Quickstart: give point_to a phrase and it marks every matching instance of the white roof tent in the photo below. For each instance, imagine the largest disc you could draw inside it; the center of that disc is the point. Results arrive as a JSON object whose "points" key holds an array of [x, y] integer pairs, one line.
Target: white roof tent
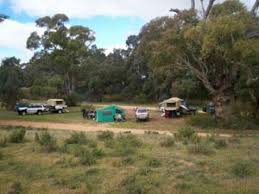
{"points": [[171, 104], [54, 102]]}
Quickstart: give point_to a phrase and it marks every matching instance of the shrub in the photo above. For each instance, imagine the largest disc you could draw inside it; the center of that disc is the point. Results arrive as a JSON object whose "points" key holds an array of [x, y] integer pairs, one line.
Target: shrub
{"points": [[106, 135], [242, 169], [138, 183], [1, 156], [220, 143], [17, 136], [201, 148], [47, 142], [187, 135], [202, 121], [77, 138], [87, 158], [168, 142], [154, 163], [73, 99], [98, 153], [127, 161], [127, 144], [3, 142], [16, 188]]}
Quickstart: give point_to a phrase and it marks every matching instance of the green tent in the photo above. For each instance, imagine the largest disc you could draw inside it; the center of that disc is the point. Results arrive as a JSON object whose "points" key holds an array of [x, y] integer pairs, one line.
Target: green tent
{"points": [[108, 113]]}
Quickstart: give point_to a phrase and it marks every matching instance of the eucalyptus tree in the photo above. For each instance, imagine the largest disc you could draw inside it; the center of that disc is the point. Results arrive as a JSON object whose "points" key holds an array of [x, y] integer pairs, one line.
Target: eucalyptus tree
{"points": [[62, 47]]}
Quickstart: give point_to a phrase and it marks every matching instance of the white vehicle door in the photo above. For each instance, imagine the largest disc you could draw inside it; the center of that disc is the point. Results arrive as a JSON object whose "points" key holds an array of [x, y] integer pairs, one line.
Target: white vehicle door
{"points": [[32, 109]]}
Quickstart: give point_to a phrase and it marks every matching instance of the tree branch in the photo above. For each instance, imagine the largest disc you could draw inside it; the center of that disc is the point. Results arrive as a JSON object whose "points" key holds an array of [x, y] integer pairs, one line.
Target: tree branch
{"points": [[175, 10], [255, 8], [207, 12]]}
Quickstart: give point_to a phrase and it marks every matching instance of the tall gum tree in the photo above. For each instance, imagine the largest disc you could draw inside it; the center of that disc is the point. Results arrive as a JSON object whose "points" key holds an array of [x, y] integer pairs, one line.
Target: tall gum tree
{"points": [[208, 47], [64, 47]]}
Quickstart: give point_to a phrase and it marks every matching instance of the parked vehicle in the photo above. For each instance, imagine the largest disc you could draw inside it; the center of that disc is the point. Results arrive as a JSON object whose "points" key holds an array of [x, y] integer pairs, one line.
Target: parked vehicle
{"points": [[38, 109], [57, 105], [209, 108], [176, 107], [142, 114]]}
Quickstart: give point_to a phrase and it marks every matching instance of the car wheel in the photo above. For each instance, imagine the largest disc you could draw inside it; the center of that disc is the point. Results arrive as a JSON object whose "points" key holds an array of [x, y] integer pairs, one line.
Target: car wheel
{"points": [[23, 113], [39, 113], [60, 111]]}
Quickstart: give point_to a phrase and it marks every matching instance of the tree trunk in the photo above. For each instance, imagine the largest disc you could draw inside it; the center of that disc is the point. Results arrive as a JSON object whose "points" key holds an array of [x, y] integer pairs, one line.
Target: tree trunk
{"points": [[222, 107]]}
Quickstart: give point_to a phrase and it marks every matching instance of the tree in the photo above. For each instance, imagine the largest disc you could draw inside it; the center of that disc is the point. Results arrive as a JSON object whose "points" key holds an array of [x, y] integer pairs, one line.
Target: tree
{"points": [[207, 49], [11, 78], [62, 48]]}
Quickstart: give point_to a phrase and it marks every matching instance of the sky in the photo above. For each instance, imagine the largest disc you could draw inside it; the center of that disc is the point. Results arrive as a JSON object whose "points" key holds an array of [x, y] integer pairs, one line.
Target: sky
{"points": [[111, 20]]}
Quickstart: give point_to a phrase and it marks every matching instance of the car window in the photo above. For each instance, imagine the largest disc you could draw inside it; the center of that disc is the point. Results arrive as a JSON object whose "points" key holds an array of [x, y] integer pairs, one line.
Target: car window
{"points": [[142, 111]]}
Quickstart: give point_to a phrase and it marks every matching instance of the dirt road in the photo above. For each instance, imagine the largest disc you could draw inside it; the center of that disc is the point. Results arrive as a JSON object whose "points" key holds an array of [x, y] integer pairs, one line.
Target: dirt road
{"points": [[87, 127]]}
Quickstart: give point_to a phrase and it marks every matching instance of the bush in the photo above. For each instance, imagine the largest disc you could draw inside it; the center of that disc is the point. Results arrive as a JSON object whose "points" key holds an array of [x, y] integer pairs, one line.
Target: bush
{"points": [[73, 99], [106, 135], [154, 163], [220, 143], [17, 136], [98, 153], [201, 148], [47, 142], [16, 188], [77, 138], [1, 156], [138, 183], [3, 142], [168, 142], [242, 169], [127, 144], [87, 158], [187, 135], [202, 121]]}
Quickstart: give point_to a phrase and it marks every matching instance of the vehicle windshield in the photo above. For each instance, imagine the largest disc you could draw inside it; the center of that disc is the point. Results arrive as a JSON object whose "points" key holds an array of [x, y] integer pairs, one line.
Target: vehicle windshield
{"points": [[141, 110]]}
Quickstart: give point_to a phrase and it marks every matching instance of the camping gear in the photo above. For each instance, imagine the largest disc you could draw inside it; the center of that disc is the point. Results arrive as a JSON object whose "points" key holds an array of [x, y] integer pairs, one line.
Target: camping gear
{"points": [[110, 114], [176, 107]]}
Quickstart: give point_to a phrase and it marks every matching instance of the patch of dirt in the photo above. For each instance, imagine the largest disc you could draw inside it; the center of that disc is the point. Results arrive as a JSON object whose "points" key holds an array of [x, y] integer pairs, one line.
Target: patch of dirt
{"points": [[87, 127]]}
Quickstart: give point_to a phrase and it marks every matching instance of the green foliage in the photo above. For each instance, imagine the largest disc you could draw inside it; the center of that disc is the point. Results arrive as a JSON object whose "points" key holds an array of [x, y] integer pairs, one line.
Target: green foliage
{"points": [[17, 136], [73, 99], [186, 135], [3, 141], [202, 121], [77, 138], [87, 157], [154, 163], [202, 148], [127, 144], [47, 142], [11, 79], [16, 188], [242, 169], [98, 153], [106, 136], [1, 155], [138, 182], [168, 142]]}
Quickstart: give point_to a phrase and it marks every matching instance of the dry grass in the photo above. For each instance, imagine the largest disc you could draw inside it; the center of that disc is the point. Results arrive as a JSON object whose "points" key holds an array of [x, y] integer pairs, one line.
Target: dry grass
{"points": [[150, 168]]}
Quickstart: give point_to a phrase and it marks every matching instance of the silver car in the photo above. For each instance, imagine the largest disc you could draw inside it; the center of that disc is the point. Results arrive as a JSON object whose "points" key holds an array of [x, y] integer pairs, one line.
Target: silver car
{"points": [[142, 114]]}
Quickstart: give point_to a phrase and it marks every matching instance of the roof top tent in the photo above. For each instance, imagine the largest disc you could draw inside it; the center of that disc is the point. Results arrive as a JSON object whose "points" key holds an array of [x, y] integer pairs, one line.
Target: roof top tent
{"points": [[108, 113], [171, 104], [54, 102]]}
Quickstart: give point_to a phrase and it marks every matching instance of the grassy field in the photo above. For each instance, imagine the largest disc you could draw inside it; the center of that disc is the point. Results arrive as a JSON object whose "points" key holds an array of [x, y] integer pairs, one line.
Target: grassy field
{"points": [[64, 162]]}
